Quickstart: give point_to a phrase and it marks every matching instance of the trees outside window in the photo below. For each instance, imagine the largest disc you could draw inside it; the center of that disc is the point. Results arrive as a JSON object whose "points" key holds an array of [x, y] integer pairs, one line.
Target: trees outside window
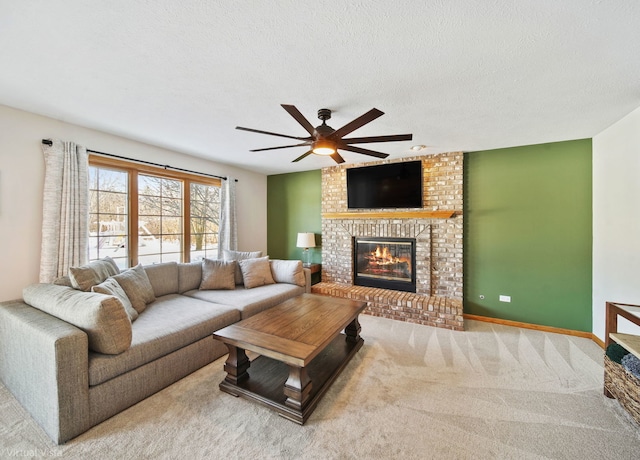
{"points": [[142, 214]]}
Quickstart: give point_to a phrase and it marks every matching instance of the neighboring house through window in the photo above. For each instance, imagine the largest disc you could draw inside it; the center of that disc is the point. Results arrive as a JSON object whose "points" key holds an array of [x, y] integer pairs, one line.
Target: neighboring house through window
{"points": [[145, 214]]}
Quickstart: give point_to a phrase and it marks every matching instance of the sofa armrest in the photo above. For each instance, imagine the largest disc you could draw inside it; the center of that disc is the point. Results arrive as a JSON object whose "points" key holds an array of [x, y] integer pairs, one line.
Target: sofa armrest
{"points": [[44, 362], [307, 280]]}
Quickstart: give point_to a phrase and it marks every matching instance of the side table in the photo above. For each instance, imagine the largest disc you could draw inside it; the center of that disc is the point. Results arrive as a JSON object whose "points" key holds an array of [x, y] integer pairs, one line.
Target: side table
{"points": [[316, 270]]}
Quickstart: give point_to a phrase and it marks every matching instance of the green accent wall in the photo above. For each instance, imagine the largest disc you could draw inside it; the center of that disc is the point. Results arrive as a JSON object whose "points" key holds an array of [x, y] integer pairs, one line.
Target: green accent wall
{"points": [[293, 205], [527, 230], [528, 234]]}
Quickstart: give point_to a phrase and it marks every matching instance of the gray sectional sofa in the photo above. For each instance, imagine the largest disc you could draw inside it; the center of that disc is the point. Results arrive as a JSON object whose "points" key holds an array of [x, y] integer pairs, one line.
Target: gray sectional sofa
{"points": [[74, 358]]}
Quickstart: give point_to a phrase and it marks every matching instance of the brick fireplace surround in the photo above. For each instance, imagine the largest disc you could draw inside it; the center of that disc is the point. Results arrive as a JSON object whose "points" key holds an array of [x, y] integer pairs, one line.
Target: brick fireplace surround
{"points": [[438, 298]]}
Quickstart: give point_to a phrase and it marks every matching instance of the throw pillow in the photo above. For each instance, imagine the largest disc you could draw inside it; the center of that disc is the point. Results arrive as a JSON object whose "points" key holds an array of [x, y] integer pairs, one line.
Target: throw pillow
{"points": [[163, 278], [218, 274], [288, 271], [137, 287], [86, 276], [111, 287], [256, 272], [238, 256], [63, 281], [189, 276]]}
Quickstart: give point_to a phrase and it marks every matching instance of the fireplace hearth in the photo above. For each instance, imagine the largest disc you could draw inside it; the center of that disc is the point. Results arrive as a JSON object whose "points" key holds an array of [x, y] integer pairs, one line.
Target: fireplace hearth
{"points": [[387, 263]]}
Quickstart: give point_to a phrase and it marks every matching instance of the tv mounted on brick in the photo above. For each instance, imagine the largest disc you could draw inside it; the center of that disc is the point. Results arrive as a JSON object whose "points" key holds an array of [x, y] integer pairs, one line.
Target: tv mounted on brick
{"points": [[392, 185]]}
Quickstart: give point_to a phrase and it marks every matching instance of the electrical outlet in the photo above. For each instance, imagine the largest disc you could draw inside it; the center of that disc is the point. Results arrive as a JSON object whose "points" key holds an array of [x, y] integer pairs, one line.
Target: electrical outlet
{"points": [[505, 298]]}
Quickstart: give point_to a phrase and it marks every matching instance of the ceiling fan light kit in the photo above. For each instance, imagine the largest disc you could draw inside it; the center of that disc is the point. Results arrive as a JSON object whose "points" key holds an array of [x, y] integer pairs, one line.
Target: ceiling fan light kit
{"points": [[324, 147], [326, 141]]}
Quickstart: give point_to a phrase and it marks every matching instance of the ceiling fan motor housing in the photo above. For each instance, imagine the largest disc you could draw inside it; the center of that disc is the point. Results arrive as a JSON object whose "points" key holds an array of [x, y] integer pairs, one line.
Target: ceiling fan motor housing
{"points": [[324, 130]]}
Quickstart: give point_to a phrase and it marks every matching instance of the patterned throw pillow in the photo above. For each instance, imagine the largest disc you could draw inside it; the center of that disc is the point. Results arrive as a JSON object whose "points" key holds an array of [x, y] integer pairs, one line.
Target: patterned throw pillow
{"points": [[256, 272], [86, 276], [111, 287], [238, 256], [218, 274], [137, 287]]}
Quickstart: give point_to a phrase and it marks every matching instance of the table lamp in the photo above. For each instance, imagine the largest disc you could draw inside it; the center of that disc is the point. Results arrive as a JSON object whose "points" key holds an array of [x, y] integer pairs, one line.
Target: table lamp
{"points": [[306, 241]]}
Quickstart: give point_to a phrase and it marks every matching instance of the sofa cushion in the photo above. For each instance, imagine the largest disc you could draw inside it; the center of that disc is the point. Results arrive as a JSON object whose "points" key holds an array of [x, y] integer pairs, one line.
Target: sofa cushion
{"points": [[218, 274], [101, 317], [256, 272], [168, 324], [250, 301], [86, 276], [238, 256], [163, 278], [111, 287], [288, 271], [189, 276], [137, 286]]}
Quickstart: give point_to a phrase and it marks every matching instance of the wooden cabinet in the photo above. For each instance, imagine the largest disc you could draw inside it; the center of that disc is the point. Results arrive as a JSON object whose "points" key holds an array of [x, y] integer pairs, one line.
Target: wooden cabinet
{"points": [[618, 383]]}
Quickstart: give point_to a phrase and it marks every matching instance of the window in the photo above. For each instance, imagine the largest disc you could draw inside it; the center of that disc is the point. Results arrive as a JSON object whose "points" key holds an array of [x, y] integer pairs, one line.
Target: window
{"points": [[204, 219], [108, 216], [159, 219], [143, 214]]}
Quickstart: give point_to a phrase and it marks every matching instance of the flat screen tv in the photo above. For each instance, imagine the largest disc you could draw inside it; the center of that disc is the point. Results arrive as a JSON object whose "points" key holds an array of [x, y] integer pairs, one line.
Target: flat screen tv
{"points": [[392, 185]]}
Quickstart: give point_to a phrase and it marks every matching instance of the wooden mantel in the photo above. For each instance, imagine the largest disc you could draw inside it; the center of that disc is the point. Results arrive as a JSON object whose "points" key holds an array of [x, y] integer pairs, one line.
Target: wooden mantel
{"points": [[390, 215]]}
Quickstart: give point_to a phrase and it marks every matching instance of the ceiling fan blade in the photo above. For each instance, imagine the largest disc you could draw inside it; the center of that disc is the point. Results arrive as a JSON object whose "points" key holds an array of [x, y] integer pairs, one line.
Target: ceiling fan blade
{"points": [[337, 158], [295, 113], [370, 139], [357, 123], [303, 156], [251, 130], [372, 153], [281, 147]]}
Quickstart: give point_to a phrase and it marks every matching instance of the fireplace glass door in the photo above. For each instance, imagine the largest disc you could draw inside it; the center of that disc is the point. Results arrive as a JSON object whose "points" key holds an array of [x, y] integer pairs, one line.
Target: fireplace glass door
{"points": [[387, 263]]}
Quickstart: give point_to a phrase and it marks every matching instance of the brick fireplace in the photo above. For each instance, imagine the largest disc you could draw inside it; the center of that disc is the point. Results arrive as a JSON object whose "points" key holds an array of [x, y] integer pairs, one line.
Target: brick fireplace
{"points": [[436, 230]]}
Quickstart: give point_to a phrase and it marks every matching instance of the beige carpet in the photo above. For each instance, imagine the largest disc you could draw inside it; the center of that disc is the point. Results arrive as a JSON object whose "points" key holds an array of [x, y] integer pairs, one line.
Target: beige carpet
{"points": [[411, 392]]}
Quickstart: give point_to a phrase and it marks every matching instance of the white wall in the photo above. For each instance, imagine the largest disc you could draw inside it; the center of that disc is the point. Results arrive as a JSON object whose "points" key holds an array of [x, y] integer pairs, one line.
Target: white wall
{"points": [[616, 219], [22, 173]]}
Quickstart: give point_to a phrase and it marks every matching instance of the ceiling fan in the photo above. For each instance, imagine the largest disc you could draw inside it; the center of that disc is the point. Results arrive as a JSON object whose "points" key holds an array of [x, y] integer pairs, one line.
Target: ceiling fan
{"points": [[324, 140]]}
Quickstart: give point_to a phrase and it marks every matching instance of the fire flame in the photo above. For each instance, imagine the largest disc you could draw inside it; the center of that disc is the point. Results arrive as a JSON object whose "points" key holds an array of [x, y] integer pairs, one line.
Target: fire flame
{"points": [[382, 256]]}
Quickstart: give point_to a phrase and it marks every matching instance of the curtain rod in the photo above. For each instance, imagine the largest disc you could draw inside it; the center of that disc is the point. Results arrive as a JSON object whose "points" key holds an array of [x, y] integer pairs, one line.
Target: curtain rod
{"points": [[50, 142]]}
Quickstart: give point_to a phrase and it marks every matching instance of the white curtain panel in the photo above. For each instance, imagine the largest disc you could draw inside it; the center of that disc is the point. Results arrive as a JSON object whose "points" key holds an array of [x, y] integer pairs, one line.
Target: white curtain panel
{"points": [[65, 214], [227, 231]]}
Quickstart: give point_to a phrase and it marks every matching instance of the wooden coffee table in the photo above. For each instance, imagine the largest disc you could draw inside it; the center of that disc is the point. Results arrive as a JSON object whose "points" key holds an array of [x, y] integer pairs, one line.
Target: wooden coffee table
{"points": [[301, 348]]}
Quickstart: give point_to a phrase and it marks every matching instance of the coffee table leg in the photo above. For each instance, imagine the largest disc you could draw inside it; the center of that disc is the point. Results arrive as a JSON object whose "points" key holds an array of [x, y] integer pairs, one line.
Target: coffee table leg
{"points": [[353, 331], [236, 365], [297, 387]]}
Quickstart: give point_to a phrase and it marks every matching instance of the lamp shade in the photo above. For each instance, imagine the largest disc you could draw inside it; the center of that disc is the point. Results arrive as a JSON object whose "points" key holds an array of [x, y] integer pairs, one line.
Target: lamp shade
{"points": [[306, 240]]}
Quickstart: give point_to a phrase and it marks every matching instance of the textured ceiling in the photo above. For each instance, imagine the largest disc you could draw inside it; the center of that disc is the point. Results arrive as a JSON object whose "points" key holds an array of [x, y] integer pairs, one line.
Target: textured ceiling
{"points": [[459, 75]]}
